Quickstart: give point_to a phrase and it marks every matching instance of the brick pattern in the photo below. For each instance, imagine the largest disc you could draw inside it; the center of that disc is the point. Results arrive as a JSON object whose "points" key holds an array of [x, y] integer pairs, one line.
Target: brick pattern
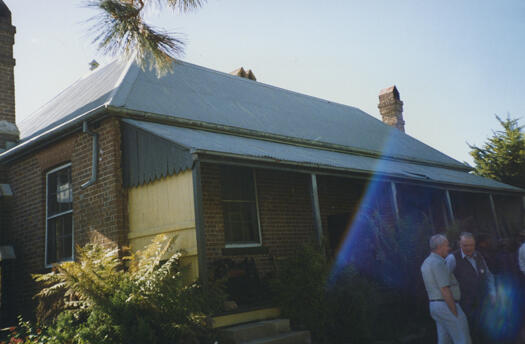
{"points": [[7, 84], [391, 108], [26, 232], [99, 211], [56, 155], [285, 214]]}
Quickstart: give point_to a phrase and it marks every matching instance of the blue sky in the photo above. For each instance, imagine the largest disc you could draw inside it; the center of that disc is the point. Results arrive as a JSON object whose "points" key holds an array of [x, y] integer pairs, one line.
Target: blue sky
{"points": [[455, 63]]}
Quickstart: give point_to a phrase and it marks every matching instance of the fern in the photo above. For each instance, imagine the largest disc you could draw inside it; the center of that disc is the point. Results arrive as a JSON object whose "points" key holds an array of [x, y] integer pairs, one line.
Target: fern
{"points": [[140, 297]]}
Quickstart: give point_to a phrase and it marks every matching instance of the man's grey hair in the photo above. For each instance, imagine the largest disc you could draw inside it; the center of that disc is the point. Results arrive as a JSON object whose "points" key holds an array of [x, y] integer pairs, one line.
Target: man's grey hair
{"points": [[466, 235], [436, 241]]}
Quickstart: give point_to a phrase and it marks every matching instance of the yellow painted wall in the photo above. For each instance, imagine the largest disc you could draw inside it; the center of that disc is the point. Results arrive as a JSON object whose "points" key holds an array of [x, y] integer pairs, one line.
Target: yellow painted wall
{"points": [[165, 207]]}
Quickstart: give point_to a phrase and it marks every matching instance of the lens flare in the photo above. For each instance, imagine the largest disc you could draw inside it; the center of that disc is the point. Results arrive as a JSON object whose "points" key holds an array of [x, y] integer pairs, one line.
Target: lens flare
{"points": [[501, 318], [357, 247]]}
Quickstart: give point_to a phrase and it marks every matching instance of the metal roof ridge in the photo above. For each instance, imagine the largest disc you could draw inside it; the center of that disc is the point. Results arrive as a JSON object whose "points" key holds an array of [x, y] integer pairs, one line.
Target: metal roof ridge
{"points": [[254, 134], [125, 82], [85, 76], [296, 93]]}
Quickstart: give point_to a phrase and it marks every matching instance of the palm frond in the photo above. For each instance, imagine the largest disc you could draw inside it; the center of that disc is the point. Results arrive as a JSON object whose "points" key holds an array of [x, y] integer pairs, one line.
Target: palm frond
{"points": [[184, 5], [120, 29]]}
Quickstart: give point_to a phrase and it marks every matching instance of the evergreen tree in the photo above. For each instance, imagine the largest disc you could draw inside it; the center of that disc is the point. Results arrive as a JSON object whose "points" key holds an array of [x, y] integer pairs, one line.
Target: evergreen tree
{"points": [[120, 29], [502, 157]]}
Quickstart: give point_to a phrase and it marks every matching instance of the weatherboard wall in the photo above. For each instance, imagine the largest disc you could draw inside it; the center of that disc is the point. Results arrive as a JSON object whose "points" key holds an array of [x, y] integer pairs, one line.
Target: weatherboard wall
{"points": [[165, 206]]}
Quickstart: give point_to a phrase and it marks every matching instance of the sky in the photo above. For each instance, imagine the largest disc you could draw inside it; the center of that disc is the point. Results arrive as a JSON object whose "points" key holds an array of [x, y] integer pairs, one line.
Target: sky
{"points": [[456, 64]]}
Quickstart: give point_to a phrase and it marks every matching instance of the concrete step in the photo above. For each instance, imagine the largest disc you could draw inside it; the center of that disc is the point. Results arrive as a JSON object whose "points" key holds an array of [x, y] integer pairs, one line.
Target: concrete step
{"points": [[255, 330], [243, 317], [296, 337], [278, 325]]}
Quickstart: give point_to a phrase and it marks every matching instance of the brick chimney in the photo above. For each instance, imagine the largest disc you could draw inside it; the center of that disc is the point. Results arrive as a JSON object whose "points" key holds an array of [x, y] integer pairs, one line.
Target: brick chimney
{"points": [[391, 108], [9, 133], [242, 73]]}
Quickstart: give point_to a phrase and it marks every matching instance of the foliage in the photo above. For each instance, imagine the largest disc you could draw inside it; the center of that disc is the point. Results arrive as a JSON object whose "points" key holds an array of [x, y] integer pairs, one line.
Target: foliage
{"points": [[300, 282], [400, 248], [353, 304], [375, 293], [502, 157], [334, 312], [139, 299], [120, 29], [26, 333]]}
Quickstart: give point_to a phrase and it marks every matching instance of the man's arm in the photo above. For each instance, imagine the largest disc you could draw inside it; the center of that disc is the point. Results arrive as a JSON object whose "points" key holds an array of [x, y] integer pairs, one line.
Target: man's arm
{"points": [[449, 300], [451, 262]]}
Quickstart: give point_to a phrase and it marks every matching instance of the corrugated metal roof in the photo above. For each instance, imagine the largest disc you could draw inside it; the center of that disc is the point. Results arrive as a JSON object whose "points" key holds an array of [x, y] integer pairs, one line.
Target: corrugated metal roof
{"points": [[199, 140], [200, 94], [147, 157], [93, 90]]}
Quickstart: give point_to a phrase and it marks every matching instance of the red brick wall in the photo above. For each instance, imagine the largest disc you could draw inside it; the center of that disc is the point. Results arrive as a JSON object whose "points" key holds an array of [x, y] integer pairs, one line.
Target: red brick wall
{"points": [[98, 211], [285, 214], [7, 63]]}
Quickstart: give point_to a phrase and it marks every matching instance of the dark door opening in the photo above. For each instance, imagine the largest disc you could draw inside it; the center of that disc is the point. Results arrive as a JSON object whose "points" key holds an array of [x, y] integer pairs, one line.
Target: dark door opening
{"points": [[337, 227]]}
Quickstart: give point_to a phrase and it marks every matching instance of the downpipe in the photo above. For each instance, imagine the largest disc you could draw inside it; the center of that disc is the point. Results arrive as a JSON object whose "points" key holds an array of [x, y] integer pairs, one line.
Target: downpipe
{"points": [[94, 155]]}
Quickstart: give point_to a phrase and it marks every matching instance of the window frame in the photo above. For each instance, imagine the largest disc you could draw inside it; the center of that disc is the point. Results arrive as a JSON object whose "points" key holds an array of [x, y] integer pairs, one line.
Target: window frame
{"points": [[257, 214], [48, 218]]}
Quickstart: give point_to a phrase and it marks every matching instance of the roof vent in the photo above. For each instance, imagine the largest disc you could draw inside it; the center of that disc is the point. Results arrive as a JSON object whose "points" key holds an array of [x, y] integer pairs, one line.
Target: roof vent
{"points": [[244, 74], [93, 65]]}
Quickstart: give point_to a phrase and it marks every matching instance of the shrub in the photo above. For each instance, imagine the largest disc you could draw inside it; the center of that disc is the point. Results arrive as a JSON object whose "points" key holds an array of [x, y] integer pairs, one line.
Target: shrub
{"points": [[335, 311], [373, 292], [136, 299]]}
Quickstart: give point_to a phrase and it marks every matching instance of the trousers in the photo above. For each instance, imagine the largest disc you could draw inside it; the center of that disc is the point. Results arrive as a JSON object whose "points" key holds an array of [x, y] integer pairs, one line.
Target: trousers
{"points": [[450, 328]]}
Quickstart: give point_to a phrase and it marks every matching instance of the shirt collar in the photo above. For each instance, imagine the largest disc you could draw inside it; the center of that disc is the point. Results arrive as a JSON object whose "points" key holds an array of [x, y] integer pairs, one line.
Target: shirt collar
{"points": [[463, 255]]}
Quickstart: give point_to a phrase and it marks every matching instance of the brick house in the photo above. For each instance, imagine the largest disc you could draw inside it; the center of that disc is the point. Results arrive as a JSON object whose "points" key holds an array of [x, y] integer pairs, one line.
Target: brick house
{"points": [[233, 167]]}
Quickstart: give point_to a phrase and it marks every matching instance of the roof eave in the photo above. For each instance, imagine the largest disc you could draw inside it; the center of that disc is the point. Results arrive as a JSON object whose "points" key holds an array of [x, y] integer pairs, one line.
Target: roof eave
{"points": [[206, 155], [213, 127], [52, 134]]}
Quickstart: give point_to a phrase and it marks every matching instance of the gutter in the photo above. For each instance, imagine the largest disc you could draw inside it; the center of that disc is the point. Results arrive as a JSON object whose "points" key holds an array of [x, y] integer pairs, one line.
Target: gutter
{"points": [[66, 127], [254, 134], [305, 167], [52, 134], [104, 110]]}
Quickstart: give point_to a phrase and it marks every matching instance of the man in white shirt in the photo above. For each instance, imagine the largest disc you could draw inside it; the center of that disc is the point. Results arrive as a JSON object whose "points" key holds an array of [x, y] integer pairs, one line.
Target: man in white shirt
{"points": [[444, 295]]}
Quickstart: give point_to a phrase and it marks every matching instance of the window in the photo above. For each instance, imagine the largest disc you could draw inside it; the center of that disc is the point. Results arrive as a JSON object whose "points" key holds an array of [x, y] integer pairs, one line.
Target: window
{"points": [[239, 205], [59, 215]]}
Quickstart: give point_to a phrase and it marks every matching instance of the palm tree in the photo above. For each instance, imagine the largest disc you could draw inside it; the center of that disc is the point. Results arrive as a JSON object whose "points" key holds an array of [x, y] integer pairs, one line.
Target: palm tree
{"points": [[120, 29]]}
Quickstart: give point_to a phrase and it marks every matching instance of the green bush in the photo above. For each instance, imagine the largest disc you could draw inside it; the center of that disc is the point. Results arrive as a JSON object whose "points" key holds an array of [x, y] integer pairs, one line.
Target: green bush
{"points": [[136, 299], [335, 311]]}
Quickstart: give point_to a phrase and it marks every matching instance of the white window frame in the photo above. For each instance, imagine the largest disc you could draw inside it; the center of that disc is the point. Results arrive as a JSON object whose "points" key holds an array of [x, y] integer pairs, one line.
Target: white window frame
{"points": [[251, 244], [46, 264]]}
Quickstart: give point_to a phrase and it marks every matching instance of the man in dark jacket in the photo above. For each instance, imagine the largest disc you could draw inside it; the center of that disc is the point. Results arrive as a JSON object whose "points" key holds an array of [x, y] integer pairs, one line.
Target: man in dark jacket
{"points": [[476, 282]]}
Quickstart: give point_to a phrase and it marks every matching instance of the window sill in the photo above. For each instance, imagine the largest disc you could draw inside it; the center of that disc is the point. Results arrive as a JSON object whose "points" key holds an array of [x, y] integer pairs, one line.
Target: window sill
{"points": [[241, 251], [55, 264]]}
